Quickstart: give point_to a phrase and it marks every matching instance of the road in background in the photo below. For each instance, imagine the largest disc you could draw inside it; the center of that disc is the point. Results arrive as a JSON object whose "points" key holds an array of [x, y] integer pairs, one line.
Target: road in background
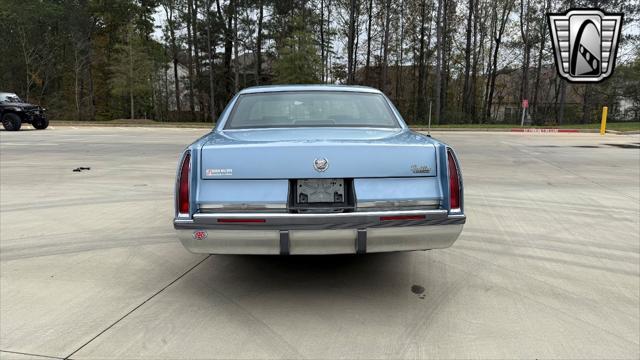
{"points": [[548, 265]]}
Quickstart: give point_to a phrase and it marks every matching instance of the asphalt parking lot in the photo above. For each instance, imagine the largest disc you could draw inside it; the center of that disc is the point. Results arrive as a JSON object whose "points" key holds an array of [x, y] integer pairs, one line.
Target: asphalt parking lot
{"points": [[548, 265]]}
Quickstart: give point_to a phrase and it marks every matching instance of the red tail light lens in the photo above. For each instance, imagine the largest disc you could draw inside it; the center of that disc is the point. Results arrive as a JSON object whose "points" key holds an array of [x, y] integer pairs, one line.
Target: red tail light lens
{"points": [[231, 221], [402, 217], [183, 190], [454, 181]]}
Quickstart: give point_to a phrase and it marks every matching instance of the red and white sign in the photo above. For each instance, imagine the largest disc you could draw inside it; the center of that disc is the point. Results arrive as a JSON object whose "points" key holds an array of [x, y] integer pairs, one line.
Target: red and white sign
{"points": [[199, 234], [525, 103]]}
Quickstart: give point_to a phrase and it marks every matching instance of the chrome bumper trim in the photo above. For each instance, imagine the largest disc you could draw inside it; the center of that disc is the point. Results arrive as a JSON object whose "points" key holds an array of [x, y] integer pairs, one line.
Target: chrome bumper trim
{"points": [[332, 233], [320, 242], [317, 221]]}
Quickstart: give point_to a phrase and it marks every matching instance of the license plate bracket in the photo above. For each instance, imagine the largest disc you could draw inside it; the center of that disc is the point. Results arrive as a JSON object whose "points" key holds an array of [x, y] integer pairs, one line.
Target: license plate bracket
{"points": [[320, 191], [321, 195]]}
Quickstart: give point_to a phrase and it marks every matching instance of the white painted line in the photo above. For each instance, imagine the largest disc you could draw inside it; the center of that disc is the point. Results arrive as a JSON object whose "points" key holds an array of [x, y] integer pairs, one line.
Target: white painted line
{"points": [[30, 144]]}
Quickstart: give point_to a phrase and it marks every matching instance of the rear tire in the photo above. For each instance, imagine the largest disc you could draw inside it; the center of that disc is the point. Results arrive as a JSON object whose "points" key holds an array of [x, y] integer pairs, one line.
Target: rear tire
{"points": [[40, 124], [11, 122]]}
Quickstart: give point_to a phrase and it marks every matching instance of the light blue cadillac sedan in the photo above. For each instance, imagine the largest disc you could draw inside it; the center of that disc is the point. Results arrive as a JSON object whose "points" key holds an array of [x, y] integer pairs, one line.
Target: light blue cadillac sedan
{"points": [[316, 169]]}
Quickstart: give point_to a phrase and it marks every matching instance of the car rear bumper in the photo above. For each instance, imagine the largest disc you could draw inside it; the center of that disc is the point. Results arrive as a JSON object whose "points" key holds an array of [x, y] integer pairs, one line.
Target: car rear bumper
{"points": [[311, 233]]}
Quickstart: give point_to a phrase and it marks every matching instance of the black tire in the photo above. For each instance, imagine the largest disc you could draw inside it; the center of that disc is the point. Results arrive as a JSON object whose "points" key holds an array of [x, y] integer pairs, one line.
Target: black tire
{"points": [[11, 122], [40, 124]]}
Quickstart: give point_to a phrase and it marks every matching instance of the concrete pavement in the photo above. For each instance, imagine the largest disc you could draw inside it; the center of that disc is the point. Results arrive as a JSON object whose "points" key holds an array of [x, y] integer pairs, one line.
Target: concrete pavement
{"points": [[548, 265]]}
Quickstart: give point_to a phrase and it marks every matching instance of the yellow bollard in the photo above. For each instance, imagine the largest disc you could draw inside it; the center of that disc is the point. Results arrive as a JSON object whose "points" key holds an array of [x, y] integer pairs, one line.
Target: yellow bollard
{"points": [[603, 124]]}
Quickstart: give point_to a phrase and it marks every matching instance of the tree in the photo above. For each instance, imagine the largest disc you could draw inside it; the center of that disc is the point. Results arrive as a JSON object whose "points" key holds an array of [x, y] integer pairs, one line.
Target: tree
{"points": [[351, 41], [439, 62], [498, 31], [132, 70], [467, 95], [169, 7], [298, 61], [473, 58], [385, 45]]}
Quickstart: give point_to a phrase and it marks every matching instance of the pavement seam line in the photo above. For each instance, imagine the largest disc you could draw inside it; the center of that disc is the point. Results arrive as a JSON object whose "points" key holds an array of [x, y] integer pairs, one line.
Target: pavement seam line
{"points": [[29, 354], [136, 308]]}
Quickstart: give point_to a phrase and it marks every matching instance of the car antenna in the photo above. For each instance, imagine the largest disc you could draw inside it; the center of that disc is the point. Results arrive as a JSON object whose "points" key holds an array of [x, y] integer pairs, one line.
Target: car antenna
{"points": [[429, 126]]}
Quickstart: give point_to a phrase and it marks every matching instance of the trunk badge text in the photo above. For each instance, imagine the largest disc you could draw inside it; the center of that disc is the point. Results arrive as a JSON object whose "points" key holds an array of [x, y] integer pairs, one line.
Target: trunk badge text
{"points": [[321, 164], [219, 172], [420, 169]]}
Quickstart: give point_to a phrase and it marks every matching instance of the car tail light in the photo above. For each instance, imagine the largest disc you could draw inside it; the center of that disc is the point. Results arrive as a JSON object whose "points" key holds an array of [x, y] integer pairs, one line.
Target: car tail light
{"points": [[454, 181], [183, 189]]}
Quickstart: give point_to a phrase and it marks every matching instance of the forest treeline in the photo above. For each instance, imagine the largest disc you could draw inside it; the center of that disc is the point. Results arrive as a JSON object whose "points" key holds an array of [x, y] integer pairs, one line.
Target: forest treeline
{"points": [[463, 61]]}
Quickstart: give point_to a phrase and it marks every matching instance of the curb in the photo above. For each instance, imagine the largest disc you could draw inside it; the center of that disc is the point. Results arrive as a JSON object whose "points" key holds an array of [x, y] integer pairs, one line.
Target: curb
{"points": [[143, 125], [460, 129], [549, 130]]}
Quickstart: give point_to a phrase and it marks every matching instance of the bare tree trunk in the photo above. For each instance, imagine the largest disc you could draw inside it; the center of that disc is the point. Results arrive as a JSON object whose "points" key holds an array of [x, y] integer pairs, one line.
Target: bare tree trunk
{"points": [[355, 46], [322, 52], [228, 42], [524, 32], [27, 62], [77, 69], [385, 56], [492, 31], [446, 50], [329, 47], [196, 56], [131, 74], [236, 64], [351, 41], [174, 51], [561, 100], [439, 45], [421, 66], [368, 61], [498, 39], [92, 97], [399, 60], [474, 77], [466, 104], [190, 60], [543, 32], [259, 45], [210, 57], [165, 70]]}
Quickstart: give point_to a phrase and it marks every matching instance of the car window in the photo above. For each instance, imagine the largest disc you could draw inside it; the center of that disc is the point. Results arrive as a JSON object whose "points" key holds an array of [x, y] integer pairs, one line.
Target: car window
{"points": [[9, 98], [311, 109]]}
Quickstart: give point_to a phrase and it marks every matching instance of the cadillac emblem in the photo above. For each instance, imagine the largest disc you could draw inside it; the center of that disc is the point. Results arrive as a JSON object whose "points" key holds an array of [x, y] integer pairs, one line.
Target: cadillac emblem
{"points": [[321, 164], [585, 43]]}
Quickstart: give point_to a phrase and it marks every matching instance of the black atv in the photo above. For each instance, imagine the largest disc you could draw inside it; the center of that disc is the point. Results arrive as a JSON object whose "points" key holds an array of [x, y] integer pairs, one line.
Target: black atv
{"points": [[14, 112]]}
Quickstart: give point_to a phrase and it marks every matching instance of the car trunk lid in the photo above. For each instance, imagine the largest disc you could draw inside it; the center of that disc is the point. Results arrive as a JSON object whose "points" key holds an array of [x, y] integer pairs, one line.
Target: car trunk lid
{"points": [[298, 154]]}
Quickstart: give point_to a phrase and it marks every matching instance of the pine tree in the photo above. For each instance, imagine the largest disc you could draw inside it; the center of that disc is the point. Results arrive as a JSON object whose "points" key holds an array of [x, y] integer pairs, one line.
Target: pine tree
{"points": [[131, 71], [298, 61]]}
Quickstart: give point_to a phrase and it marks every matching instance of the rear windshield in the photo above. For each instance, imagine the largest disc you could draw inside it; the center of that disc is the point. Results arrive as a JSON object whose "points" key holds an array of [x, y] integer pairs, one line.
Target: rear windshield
{"points": [[311, 109]]}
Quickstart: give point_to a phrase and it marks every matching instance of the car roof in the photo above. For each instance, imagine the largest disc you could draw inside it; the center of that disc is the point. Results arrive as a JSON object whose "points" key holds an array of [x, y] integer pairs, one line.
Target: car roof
{"points": [[316, 87], [7, 94]]}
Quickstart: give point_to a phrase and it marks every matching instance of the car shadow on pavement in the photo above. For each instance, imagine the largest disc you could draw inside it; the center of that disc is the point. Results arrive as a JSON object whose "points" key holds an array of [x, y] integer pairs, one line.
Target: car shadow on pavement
{"points": [[302, 275]]}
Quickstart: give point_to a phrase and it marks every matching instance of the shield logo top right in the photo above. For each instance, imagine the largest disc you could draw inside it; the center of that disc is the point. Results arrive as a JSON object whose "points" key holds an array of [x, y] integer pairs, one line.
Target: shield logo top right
{"points": [[585, 43]]}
